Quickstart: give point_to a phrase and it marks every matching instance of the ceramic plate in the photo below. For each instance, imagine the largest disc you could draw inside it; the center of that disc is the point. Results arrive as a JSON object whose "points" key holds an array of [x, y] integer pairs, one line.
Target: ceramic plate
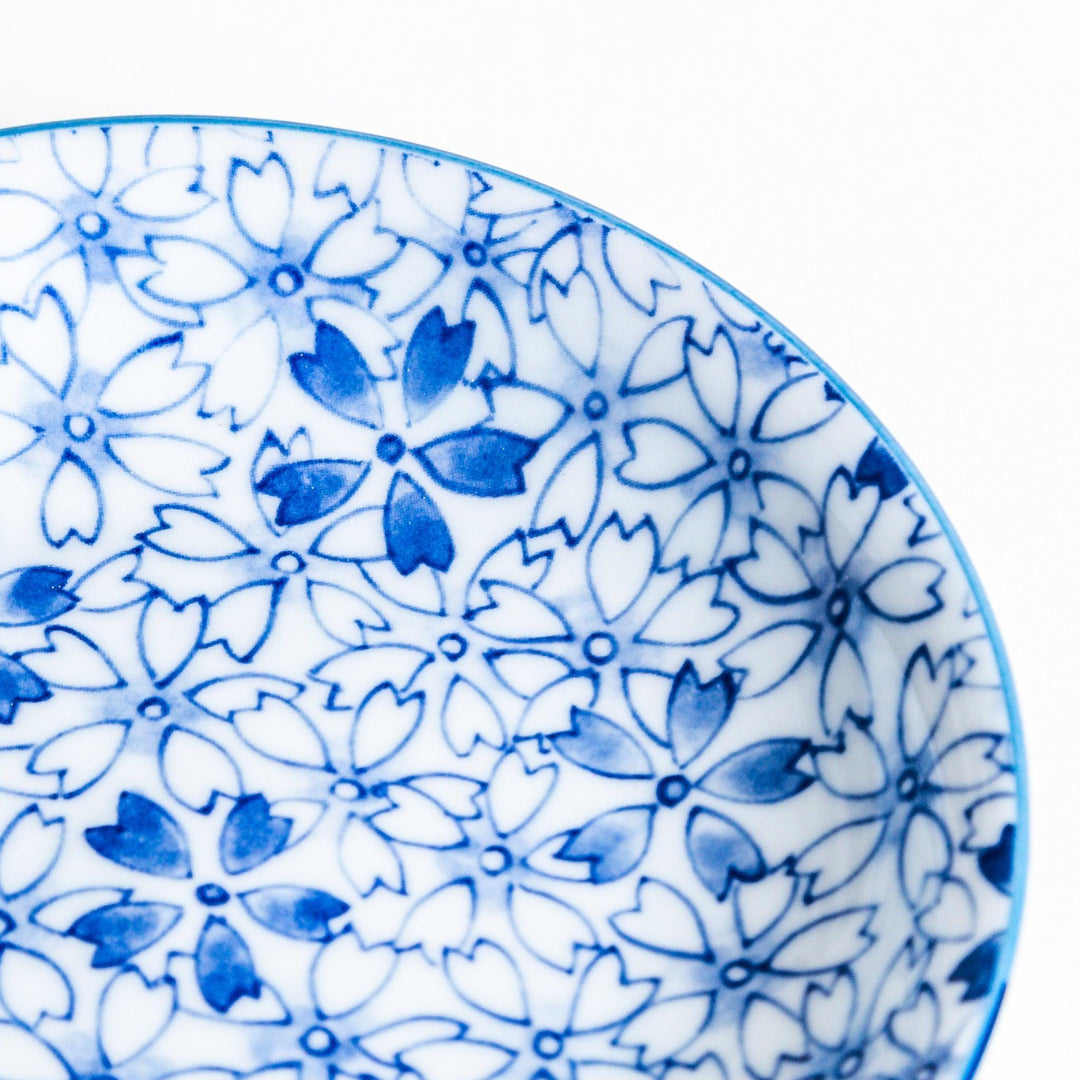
{"points": [[447, 634]]}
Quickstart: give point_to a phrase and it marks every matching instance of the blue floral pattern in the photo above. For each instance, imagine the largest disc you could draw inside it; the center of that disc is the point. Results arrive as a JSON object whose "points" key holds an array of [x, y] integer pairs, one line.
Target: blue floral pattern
{"points": [[444, 635]]}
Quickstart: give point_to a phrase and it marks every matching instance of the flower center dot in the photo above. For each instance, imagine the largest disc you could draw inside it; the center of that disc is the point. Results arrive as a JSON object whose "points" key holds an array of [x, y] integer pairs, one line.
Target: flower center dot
{"points": [[595, 406], [908, 784], [286, 279], [849, 1064], [287, 562], [737, 973], [347, 790], [548, 1044], [494, 860], [92, 225], [319, 1041], [211, 894], [738, 465], [838, 607], [672, 790], [453, 646], [600, 648], [79, 426], [474, 253], [390, 448], [153, 708]]}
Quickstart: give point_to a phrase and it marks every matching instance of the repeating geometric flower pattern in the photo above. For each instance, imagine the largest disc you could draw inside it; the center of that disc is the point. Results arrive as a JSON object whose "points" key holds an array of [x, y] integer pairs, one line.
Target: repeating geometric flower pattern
{"points": [[444, 637]]}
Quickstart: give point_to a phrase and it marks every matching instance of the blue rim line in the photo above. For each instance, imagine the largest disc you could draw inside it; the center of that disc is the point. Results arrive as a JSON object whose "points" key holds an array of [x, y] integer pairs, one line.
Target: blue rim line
{"points": [[1020, 859]]}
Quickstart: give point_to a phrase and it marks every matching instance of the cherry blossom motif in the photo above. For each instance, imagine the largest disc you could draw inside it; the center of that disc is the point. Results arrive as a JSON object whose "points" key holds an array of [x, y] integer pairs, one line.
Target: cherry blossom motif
{"points": [[445, 635]]}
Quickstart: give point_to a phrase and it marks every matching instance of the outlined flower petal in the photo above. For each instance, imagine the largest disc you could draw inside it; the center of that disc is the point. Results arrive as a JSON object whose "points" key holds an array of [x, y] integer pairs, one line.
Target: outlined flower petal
{"points": [[27, 1056], [573, 312], [441, 920], [169, 463], [515, 792], [279, 730], [245, 374], [664, 921], [384, 722], [549, 927], [71, 661], [81, 755], [797, 407], [368, 860], [173, 193], [196, 770], [665, 1027], [84, 155], [569, 498], [469, 718], [186, 533], [346, 974], [488, 979], [127, 995], [260, 200], [29, 847], [905, 590], [168, 636], [662, 454], [191, 273], [27, 222], [768, 657], [692, 614], [42, 340], [638, 270], [619, 564], [32, 987], [71, 507], [151, 380]]}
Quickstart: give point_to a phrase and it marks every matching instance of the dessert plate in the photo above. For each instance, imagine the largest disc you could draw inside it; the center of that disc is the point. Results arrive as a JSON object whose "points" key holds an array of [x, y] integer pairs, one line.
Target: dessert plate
{"points": [[447, 634]]}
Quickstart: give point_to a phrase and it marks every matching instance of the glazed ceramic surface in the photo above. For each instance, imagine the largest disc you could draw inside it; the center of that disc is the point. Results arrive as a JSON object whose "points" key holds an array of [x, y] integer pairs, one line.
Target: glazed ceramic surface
{"points": [[447, 635]]}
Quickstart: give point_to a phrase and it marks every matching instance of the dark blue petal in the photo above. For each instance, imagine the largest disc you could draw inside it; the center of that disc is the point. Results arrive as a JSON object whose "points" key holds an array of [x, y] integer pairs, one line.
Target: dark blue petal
{"points": [[720, 852], [435, 361], [294, 911], [251, 835], [481, 461], [996, 862], [764, 772], [336, 376], [145, 838], [17, 684], [878, 468], [597, 744], [613, 843], [34, 594], [311, 489], [223, 966], [415, 531], [976, 971], [121, 930], [696, 711]]}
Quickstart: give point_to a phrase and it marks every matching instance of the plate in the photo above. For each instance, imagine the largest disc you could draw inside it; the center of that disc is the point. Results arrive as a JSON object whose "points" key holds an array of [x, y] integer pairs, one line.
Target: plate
{"points": [[448, 634]]}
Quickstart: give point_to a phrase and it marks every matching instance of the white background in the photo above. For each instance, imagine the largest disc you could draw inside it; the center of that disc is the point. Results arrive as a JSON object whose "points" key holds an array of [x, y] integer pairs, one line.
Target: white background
{"points": [[897, 182]]}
